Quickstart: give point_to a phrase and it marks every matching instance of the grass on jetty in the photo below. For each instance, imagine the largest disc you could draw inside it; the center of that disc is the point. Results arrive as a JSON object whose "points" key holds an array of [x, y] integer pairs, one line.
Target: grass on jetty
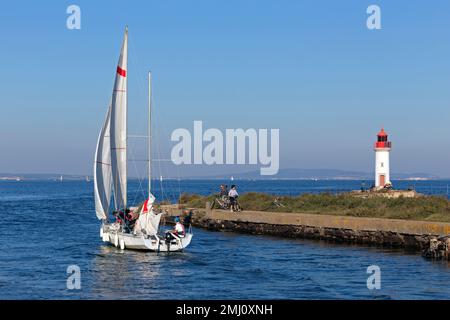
{"points": [[429, 208]]}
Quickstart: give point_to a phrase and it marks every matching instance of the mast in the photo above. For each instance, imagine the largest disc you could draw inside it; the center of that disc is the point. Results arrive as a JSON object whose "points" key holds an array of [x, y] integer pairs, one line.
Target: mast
{"points": [[149, 133]]}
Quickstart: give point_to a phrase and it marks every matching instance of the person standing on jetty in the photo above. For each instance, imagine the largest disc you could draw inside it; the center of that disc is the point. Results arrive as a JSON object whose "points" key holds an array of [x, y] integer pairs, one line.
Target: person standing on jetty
{"points": [[187, 218], [233, 195]]}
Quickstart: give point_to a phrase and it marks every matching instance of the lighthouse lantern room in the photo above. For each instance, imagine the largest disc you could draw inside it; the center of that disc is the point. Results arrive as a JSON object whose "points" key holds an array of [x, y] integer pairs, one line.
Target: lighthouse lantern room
{"points": [[382, 149]]}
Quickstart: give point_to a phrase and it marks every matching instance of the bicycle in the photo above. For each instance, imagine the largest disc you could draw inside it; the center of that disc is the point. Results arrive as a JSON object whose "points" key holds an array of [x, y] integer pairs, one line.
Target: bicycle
{"points": [[222, 201], [235, 206]]}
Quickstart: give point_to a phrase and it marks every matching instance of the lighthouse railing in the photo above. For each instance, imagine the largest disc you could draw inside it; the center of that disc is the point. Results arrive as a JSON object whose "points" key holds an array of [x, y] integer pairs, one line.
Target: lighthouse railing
{"points": [[383, 144]]}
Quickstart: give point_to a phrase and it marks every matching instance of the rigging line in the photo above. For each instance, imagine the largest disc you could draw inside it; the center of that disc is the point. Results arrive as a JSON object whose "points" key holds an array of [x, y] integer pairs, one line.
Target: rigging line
{"points": [[164, 195], [156, 132], [139, 180], [141, 87], [172, 192], [136, 65], [179, 184], [141, 75]]}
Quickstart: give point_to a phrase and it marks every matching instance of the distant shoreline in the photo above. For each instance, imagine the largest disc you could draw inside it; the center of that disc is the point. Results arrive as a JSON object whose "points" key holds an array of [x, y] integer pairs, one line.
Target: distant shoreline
{"points": [[282, 175], [69, 178]]}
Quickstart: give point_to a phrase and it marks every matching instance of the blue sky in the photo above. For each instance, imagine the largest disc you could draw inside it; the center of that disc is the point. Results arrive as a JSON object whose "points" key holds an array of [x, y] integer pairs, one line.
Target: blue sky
{"points": [[310, 68]]}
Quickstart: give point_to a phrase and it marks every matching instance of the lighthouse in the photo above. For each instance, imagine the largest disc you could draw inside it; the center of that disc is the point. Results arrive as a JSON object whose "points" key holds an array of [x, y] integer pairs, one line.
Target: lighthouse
{"points": [[382, 149]]}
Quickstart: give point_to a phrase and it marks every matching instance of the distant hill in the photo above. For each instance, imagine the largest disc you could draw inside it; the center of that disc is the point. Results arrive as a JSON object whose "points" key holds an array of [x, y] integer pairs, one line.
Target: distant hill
{"points": [[42, 176], [325, 174]]}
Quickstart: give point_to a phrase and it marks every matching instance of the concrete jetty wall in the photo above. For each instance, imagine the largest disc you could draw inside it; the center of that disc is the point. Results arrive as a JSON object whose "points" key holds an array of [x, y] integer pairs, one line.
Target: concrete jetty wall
{"points": [[374, 231]]}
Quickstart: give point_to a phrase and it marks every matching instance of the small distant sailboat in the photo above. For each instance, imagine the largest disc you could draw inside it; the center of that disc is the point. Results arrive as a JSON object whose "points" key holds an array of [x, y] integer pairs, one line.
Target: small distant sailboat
{"points": [[110, 178], [87, 179], [61, 178], [232, 178]]}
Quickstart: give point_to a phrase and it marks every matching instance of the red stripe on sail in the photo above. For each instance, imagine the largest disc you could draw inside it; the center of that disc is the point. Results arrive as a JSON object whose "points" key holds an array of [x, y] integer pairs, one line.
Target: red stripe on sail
{"points": [[121, 71], [145, 207]]}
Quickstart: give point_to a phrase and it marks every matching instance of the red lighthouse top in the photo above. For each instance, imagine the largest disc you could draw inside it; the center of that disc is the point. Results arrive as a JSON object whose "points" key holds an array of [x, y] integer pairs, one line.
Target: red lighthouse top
{"points": [[382, 133], [382, 140]]}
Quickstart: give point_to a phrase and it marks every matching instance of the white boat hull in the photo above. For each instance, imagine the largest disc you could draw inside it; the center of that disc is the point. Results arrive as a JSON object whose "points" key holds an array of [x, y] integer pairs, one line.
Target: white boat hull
{"points": [[141, 242]]}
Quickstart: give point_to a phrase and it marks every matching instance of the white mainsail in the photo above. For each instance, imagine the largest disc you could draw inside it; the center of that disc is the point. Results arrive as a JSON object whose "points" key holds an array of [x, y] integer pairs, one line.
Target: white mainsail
{"points": [[118, 139], [102, 171]]}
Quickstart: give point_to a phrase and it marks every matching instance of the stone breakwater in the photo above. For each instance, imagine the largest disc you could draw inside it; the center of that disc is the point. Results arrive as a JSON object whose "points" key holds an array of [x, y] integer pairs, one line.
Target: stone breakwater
{"points": [[431, 238]]}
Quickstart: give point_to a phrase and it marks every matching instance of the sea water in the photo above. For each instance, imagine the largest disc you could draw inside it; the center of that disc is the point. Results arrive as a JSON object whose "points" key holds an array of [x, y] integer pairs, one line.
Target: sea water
{"points": [[48, 226]]}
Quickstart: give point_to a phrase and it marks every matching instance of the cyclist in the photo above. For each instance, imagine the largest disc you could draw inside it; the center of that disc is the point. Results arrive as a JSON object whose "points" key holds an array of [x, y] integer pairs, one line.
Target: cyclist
{"points": [[233, 195]]}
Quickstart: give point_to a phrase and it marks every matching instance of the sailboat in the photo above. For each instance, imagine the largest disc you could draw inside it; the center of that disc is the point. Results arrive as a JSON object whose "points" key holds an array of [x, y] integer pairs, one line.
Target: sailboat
{"points": [[110, 179]]}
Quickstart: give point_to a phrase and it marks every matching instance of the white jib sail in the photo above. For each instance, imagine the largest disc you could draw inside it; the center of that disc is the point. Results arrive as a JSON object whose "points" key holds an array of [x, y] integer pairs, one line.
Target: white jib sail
{"points": [[148, 221], [102, 171], [119, 129]]}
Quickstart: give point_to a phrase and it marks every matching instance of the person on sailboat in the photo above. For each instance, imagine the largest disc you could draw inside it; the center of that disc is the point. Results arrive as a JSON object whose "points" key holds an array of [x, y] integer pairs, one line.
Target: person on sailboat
{"points": [[178, 230], [126, 218], [233, 195]]}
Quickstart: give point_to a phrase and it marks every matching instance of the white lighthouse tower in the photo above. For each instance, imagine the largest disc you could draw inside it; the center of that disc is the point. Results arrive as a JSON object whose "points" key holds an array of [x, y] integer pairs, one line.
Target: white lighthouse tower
{"points": [[382, 148]]}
